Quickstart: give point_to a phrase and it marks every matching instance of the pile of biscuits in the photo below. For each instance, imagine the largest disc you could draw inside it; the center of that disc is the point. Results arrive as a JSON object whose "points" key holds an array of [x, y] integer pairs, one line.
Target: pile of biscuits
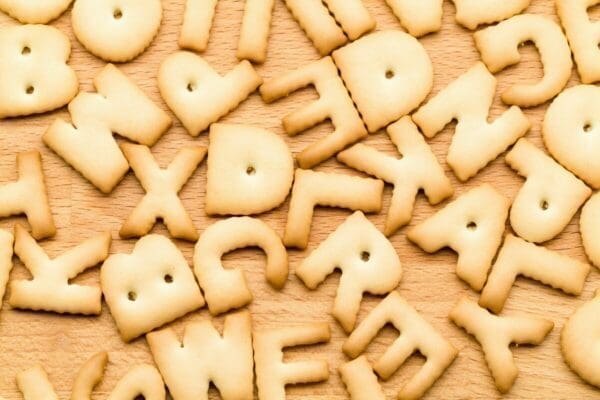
{"points": [[367, 80]]}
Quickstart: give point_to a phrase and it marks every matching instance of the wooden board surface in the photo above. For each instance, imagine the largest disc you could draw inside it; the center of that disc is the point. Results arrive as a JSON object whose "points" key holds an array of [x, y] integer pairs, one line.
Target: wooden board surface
{"points": [[62, 343]]}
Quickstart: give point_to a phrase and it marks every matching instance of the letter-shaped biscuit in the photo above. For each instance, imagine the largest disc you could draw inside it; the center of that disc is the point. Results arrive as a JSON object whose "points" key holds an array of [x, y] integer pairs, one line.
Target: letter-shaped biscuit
{"points": [[6, 264], [571, 132], [334, 104], [416, 334], [360, 380], [589, 225], [419, 17], [34, 75], [549, 198], [162, 186], [87, 144], [250, 170], [50, 290], [366, 258], [416, 169], [313, 189], [117, 30], [388, 74], [499, 48], [272, 374], [473, 226], [583, 34], [518, 257], [579, 341], [150, 287], [496, 334], [472, 13], [476, 141], [226, 289], [205, 356], [197, 94], [34, 11]]}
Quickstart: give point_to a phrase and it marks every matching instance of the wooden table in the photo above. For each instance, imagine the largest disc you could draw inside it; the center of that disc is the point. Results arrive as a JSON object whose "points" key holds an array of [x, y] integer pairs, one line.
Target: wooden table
{"points": [[62, 343]]}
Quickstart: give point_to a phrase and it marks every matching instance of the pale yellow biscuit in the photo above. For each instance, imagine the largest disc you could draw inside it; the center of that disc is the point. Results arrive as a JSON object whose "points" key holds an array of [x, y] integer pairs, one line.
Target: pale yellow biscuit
{"points": [[272, 374], [496, 334], [205, 356], [150, 287], [360, 380], [162, 186], [34, 74], [499, 48], [416, 334], [548, 199], [334, 104], [570, 130], [352, 16], [589, 225], [87, 143], [518, 257], [367, 260], [313, 189], [250, 170], [197, 94], [387, 73], [472, 13], [197, 22], [6, 264], [476, 141], [583, 34], [579, 341], [34, 384], [419, 17], [473, 226], [34, 11], [416, 169], [50, 289], [90, 374], [226, 289], [116, 30]]}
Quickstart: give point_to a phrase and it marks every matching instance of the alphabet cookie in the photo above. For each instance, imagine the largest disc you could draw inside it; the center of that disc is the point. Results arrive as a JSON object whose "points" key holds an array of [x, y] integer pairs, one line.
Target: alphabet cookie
{"points": [[197, 94], [121, 29], [87, 144], [416, 335], [416, 169], [150, 287], [518, 257], [472, 13], [226, 289], [366, 258], [495, 335], [34, 74], [549, 198], [387, 73], [473, 226], [313, 189], [34, 12], [197, 21], [360, 380], [250, 170], [476, 142], [499, 48], [334, 104], [162, 187], [272, 374], [206, 356], [589, 225], [6, 264]]}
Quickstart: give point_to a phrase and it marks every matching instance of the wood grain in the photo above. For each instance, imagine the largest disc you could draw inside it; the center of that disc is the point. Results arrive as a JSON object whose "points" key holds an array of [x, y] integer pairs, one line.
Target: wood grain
{"points": [[61, 344]]}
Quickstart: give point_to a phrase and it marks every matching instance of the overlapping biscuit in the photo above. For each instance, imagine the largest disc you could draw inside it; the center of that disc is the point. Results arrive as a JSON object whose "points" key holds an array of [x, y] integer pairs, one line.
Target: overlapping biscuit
{"points": [[197, 94], [367, 260], [334, 104], [150, 287], [250, 170], [162, 186], [416, 334], [6, 264], [226, 289], [87, 143], [387, 73], [34, 74], [272, 374], [116, 30], [518, 257], [313, 189], [499, 48], [495, 335], [360, 380], [548, 199], [589, 226], [473, 226], [476, 142], [34, 11], [205, 356]]}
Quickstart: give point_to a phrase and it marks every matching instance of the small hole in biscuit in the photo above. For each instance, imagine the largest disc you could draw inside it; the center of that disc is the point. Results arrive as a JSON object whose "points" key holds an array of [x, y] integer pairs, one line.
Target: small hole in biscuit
{"points": [[587, 127], [118, 14], [365, 256], [191, 87], [26, 50], [250, 170], [132, 296], [544, 205], [471, 226], [140, 397], [29, 90], [389, 74], [168, 278]]}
